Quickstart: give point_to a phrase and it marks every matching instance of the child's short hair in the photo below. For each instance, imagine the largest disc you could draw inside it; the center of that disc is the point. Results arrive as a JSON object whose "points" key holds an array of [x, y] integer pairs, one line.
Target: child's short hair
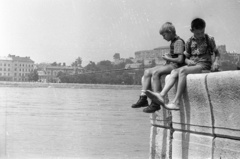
{"points": [[167, 27], [198, 23]]}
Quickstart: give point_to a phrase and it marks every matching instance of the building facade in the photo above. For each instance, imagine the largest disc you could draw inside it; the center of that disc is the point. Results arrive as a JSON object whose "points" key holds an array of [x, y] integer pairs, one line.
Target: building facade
{"points": [[147, 56], [117, 59], [228, 60], [15, 68], [50, 73]]}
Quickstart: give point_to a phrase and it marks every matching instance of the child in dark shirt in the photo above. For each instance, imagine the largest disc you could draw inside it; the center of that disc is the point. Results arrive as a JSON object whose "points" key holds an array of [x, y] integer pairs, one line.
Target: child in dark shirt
{"points": [[175, 59]]}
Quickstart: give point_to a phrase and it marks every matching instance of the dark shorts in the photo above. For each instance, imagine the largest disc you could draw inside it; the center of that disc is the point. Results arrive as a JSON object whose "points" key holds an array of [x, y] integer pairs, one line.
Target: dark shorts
{"points": [[206, 65]]}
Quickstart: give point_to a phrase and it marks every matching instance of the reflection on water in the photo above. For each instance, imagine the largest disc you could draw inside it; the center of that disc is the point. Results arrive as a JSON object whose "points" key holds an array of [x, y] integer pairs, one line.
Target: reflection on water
{"points": [[73, 123]]}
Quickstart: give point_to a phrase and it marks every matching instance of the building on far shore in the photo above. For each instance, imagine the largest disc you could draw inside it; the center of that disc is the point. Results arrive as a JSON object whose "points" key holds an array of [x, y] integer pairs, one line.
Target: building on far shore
{"points": [[117, 59], [50, 73], [147, 56], [228, 60], [15, 68]]}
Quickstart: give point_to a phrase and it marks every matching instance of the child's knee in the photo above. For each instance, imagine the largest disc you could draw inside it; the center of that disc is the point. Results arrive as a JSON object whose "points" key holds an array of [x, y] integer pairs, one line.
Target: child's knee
{"points": [[157, 73], [167, 77], [182, 71], [147, 73], [174, 73]]}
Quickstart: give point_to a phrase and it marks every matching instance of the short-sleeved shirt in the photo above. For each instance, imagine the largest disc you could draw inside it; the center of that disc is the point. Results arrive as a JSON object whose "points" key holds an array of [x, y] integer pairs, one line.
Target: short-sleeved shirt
{"points": [[200, 50], [177, 48]]}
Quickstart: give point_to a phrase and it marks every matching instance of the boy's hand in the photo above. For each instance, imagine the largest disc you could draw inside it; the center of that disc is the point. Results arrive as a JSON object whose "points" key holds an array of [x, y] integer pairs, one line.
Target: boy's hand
{"points": [[215, 66], [190, 62], [165, 56]]}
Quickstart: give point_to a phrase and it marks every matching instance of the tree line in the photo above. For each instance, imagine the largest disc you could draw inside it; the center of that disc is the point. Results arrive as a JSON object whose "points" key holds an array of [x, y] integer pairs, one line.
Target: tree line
{"points": [[104, 72]]}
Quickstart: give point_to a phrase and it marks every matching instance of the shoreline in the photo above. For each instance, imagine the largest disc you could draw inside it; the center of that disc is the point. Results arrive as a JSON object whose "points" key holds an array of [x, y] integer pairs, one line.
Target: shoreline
{"points": [[66, 85]]}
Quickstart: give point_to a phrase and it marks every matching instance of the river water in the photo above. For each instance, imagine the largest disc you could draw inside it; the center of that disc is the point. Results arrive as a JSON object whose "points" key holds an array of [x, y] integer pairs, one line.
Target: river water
{"points": [[72, 123]]}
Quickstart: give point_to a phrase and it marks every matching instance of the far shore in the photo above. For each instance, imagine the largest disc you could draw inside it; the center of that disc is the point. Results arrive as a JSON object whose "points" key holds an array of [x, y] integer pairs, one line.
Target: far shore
{"points": [[66, 85]]}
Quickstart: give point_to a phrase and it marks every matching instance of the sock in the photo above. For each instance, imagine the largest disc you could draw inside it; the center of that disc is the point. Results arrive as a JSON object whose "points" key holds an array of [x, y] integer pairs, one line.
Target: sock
{"points": [[143, 93]]}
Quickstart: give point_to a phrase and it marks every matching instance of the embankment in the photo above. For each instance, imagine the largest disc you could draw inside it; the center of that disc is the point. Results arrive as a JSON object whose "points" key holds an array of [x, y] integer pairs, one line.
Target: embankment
{"points": [[208, 123]]}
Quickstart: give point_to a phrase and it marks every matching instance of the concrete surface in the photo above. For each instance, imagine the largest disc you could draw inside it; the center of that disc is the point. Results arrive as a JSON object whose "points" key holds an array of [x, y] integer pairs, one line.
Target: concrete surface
{"points": [[186, 145], [224, 93], [160, 144], [195, 112], [208, 123], [226, 148]]}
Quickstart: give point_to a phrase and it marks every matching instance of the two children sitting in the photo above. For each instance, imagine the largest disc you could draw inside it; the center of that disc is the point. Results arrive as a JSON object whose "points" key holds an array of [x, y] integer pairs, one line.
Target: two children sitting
{"points": [[198, 57]]}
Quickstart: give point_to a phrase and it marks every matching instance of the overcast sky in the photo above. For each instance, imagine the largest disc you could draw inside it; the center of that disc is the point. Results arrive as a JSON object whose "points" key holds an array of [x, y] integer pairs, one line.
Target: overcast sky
{"points": [[62, 30]]}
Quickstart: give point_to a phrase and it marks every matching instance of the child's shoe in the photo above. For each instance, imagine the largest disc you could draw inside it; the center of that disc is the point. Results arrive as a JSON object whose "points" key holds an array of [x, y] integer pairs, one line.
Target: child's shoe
{"points": [[142, 102], [152, 108]]}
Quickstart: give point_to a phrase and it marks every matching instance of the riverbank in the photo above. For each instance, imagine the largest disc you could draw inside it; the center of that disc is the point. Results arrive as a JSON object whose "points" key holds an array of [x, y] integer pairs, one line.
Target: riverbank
{"points": [[66, 85]]}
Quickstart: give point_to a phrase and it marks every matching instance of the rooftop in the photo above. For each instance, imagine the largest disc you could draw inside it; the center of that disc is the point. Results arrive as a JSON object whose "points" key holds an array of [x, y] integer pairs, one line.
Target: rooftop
{"points": [[5, 58], [23, 59], [62, 67]]}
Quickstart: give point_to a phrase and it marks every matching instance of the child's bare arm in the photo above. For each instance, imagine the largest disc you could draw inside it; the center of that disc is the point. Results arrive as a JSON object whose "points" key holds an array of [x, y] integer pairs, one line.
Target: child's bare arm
{"points": [[179, 59], [178, 50], [215, 65]]}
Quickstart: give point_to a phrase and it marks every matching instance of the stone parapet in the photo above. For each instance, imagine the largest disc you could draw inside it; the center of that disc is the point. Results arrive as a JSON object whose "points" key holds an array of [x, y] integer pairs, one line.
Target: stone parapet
{"points": [[160, 143], [208, 123], [186, 145], [224, 94]]}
